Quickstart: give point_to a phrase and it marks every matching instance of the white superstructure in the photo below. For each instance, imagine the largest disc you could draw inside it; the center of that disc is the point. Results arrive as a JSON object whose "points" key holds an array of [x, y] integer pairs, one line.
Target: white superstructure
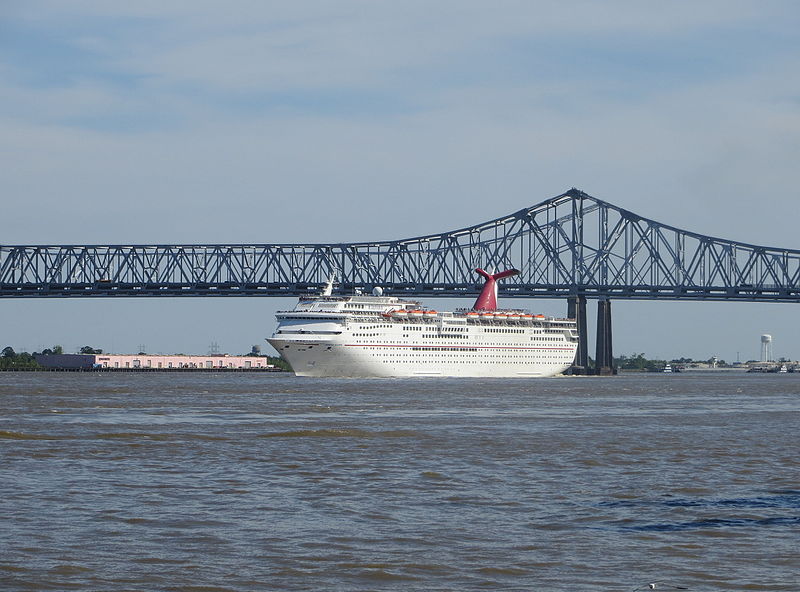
{"points": [[384, 336]]}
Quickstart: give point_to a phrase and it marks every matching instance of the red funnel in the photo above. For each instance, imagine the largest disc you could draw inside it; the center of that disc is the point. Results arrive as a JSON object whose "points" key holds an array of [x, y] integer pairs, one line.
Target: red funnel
{"points": [[488, 297]]}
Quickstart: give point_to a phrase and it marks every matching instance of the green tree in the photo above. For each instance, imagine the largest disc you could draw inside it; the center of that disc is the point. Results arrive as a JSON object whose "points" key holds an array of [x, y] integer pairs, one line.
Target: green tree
{"points": [[279, 363], [10, 360], [639, 363]]}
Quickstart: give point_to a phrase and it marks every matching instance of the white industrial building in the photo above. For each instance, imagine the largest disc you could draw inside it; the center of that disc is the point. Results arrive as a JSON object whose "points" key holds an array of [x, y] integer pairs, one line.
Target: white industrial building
{"points": [[151, 362]]}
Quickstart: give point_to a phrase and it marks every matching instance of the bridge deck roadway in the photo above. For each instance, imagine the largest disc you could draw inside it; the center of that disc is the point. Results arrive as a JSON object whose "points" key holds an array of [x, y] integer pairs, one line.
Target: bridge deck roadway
{"points": [[107, 289]]}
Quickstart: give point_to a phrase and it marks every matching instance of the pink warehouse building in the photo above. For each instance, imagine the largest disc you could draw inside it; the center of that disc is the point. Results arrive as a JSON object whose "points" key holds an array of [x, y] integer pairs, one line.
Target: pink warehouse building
{"points": [[152, 362]]}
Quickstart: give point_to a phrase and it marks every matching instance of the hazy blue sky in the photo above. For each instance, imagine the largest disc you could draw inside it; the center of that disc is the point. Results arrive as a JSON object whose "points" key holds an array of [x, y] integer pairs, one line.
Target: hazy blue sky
{"points": [[253, 121]]}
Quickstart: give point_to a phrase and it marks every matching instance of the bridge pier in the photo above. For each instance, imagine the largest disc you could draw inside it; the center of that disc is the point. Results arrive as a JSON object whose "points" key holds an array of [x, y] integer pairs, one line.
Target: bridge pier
{"points": [[576, 309], [604, 358]]}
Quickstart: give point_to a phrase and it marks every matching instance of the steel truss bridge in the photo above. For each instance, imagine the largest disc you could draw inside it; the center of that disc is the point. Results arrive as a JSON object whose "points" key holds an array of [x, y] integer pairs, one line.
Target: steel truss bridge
{"points": [[570, 246]]}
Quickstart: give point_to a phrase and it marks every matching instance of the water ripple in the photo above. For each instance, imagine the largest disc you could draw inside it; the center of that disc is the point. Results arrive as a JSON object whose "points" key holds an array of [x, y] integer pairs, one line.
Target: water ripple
{"points": [[249, 483]]}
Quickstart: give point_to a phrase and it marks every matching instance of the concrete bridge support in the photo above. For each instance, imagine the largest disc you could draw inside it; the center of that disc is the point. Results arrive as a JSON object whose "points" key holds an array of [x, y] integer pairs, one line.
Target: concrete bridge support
{"points": [[604, 358], [576, 309]]}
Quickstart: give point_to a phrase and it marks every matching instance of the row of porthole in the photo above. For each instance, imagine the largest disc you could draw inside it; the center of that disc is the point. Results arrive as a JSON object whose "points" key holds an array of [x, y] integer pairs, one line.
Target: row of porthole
{"points": [[462, 357], [545, 362]]}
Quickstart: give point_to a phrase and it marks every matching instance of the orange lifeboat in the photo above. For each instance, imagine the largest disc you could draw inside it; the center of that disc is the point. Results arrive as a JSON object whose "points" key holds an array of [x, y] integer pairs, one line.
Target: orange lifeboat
{"points": [[415, 314], [487, 316], [526, 318], [399, 314], [430, 314], [500, 316], [472, 316], [514, 317]]}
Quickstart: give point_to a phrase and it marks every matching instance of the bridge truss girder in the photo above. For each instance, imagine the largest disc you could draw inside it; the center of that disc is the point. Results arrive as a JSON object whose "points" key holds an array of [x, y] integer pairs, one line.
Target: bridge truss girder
{"points": [[570, 245]]}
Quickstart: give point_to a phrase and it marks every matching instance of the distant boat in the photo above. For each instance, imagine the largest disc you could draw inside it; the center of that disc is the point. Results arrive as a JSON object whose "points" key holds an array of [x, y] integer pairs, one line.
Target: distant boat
{"points": [[667, 369], [783, 369]]}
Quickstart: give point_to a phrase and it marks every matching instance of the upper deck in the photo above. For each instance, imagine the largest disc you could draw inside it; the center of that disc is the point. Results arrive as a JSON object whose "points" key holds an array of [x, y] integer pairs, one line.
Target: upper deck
{"points": [[368, 308]]}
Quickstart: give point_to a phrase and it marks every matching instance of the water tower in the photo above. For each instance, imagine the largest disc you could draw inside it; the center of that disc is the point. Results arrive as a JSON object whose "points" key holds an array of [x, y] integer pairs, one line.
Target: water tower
{"points": [[766, 348]]}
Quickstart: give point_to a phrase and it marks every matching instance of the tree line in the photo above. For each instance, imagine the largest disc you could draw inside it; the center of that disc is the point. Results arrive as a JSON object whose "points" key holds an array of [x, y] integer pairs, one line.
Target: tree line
{"points": [[11, 360], [639, 363]]}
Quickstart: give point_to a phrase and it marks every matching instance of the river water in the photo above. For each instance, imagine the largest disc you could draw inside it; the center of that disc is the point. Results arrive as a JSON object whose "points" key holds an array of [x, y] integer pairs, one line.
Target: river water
{"points": [[239, 482]]}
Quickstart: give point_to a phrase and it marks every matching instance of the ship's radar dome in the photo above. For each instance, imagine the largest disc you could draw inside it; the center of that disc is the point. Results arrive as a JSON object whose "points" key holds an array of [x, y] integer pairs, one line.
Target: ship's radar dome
{"points": [[377, 291]]}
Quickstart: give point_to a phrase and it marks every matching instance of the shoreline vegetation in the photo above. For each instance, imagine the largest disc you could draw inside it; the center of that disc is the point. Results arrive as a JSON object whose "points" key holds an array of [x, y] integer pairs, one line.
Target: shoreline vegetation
{"points": [[637, 362], [26, 362]]}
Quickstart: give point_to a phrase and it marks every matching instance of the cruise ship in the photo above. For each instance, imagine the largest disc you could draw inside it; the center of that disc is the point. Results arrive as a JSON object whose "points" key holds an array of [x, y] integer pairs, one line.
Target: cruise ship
{"points": [[362, 335]]}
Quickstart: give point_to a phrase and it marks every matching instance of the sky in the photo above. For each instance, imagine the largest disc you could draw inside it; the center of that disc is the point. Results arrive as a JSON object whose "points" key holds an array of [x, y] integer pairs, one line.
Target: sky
{"points": [[342, 121]]}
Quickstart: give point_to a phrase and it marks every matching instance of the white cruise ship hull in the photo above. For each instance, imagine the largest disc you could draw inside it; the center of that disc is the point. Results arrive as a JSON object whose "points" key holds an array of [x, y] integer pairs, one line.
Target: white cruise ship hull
{"points": [[321, 359]]}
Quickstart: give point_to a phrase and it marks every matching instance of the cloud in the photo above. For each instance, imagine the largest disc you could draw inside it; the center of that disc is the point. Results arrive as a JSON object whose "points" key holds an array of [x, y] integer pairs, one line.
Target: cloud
{"points": [[278, 47], [681, 157]]}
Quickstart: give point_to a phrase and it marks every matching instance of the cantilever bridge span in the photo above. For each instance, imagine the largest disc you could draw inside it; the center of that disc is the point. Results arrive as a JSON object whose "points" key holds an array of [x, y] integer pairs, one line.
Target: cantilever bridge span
{"points": [[573, 246]]}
